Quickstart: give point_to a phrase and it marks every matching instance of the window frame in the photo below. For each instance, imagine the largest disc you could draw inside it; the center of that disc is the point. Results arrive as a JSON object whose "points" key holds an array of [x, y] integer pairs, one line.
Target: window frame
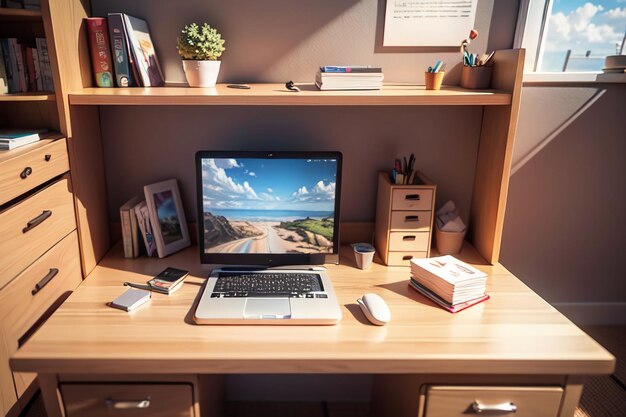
{"points": [[532, 25]]}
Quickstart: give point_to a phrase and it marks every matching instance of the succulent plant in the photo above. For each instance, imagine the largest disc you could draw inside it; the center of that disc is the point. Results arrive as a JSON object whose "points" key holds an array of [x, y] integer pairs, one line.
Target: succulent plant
{"points": [[200, 43]]}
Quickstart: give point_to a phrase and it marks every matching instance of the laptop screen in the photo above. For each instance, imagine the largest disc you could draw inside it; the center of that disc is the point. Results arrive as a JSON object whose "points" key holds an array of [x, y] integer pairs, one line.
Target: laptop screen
{"points": [[268, 208]]}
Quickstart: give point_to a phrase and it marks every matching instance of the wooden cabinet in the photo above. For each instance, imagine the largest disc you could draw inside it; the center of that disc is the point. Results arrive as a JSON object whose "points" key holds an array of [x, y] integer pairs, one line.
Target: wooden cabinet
{"points": [[404, 220]]}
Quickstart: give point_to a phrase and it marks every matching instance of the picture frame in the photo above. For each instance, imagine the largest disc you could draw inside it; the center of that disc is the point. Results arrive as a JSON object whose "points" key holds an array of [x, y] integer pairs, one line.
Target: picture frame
{"points": [[169, 225]]}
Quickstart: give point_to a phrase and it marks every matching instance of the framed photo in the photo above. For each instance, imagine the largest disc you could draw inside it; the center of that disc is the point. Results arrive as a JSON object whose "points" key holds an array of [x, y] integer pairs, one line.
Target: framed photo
{"points": [[167, 216]]}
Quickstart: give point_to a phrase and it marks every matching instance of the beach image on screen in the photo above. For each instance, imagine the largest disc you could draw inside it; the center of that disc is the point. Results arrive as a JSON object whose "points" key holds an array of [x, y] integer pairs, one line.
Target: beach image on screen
{"points": [[168, 218], [268, 205]]}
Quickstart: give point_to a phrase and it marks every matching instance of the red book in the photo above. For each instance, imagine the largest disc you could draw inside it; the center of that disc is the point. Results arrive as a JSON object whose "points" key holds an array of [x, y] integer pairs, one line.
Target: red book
{"points": [[452, 308], [100, 51], [30, 66]]}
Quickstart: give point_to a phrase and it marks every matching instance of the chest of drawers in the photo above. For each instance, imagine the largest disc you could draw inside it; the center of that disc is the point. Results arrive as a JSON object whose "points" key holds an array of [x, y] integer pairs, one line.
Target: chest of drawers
{"points": [[404, 219]]}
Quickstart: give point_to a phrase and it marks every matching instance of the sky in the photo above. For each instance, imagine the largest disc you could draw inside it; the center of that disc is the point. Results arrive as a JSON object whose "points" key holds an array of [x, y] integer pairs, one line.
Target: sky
{"points": [[269, 184], [582, 25]]}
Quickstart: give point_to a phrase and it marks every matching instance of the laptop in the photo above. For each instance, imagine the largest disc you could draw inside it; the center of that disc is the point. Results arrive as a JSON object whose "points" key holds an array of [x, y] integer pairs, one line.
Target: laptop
{"points": [[273, 218]]}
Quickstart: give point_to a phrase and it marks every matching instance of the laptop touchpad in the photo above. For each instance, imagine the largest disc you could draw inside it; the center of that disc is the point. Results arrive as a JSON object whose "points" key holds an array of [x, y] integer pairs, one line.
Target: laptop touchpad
{"points": [[267, 308]]}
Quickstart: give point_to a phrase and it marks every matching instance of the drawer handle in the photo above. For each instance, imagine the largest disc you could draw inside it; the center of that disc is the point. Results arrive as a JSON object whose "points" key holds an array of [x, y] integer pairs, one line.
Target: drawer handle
{"points": [[45, 280], [411, 218], [37, 221], [47, 157], [408, 238], [127, 405], [412, 197], [407, 257], [503, 408], [26, 172]]}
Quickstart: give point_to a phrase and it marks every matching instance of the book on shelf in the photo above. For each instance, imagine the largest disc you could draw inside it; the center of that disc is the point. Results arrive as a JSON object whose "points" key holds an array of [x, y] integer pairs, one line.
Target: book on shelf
{"points": [[124, 66], [32, 4], [143, 52], [14, 138], [14, 4], [30, 68], [44, 64], [452, 308], [350, 69], [357, 80], [4, 81], [131, 234], [37, 65], [100, 51], [451, 279], [143, 221], [16, 52]]}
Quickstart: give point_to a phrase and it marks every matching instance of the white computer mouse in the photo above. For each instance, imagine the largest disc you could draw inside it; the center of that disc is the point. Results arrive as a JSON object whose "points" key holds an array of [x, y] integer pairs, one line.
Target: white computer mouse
{"points": [[375, 309]]}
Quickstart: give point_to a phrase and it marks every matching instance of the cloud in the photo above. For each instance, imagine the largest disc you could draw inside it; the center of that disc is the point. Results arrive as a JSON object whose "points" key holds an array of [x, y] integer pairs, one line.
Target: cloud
{"points": [[617, 13], [227, 163], [302, 191], [221, 186], [252, 174], [319, 192], [584, 28], [269, 190]]}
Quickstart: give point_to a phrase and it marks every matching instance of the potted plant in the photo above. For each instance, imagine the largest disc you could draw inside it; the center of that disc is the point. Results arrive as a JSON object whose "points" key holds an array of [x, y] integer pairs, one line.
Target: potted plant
{"points": [[200, 47]]}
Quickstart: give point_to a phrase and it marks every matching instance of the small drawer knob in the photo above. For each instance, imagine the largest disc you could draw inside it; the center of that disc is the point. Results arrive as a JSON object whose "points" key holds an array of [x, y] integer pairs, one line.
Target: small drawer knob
{"points": [[26, 172], [47, 157]]}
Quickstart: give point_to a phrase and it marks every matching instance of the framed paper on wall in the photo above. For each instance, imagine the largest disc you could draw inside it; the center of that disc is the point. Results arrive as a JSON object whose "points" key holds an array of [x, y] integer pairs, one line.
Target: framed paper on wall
{"points": [[167, 217]]}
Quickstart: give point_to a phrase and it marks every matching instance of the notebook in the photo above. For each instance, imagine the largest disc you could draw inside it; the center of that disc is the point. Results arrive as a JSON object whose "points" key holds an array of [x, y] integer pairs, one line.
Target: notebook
{"points": [[274, 218]]}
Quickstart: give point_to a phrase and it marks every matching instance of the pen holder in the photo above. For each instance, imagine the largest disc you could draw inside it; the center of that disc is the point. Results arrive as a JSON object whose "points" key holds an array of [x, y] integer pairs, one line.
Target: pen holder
{"points": [[448, 243], [478, 78], [433, 80]]}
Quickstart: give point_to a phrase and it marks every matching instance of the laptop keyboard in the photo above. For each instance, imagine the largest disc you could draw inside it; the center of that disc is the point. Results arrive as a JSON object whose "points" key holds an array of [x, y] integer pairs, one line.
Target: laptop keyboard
{"points": [[295, 285]]}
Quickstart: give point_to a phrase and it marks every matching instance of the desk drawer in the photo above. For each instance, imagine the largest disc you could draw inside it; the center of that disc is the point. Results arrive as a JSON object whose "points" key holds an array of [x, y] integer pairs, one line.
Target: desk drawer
{"points": [[403, 258], [408, 241], [415, 221], [128, 400], [25, 300], [50, 214], [450, 401], [45, 162], [412, 199]]}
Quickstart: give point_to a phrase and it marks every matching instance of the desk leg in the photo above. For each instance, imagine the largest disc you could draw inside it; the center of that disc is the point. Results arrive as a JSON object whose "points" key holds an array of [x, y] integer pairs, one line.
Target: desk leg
{"points": [[49, 384], [571, 396]]}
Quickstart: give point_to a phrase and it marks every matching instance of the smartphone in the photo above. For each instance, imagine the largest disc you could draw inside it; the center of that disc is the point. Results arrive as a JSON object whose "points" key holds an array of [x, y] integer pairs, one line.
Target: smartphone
{"points": [[130, 299], [168, 279]]}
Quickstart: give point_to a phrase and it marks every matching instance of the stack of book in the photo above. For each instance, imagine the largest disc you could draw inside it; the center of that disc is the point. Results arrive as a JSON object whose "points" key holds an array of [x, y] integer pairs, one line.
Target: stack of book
{"points": [[449, 282], [14, 138], [122, 52], [349, 78], [137, 234], [24, 66]]}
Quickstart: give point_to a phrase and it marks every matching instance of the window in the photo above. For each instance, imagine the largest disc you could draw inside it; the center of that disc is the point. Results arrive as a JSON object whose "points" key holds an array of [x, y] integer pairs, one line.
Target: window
{"points": [[571, 35]]}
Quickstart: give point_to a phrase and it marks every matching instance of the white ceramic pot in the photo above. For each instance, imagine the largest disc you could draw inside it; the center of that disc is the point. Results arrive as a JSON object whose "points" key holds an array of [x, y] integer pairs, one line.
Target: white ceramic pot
{"points": [[201, 73]]}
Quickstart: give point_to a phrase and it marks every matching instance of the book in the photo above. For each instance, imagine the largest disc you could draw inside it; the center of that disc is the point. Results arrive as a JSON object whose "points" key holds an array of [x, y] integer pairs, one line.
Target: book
{"points": [[100, 51], [22, 77], [44, 64], [120, 50], [143, 51], [130, 227], [38, 79], [350, 69], [4, 82], [451, 279], [143, 221], [452, 308], [348, 81], [32, 4], [30, 68], [14, 138]]}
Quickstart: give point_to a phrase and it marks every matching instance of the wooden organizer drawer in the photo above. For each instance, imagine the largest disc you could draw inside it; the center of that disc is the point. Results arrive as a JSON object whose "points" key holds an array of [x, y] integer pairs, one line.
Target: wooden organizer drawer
{"points": [[403, 258], [25, 168], [25, 300], [31, 227], [412, 199], [451, 401], [408, 241], [128, 400], [417, 221]]}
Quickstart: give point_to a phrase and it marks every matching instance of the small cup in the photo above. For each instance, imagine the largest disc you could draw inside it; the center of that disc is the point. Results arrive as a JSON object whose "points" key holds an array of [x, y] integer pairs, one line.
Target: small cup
{"points": [[364, 254], [433, 80], [449, 243]]}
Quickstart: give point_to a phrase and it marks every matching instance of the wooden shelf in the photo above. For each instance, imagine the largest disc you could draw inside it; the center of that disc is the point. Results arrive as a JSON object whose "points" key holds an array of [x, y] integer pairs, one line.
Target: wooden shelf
{"points": [[277, 94], [28, 97], [23, 15]]}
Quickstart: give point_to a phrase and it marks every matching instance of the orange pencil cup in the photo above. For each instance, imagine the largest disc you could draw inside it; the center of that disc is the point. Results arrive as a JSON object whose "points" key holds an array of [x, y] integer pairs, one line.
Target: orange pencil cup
{"points": [[433, 80]]}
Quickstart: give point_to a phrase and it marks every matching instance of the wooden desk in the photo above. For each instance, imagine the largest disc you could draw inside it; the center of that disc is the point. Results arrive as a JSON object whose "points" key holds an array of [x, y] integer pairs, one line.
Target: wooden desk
{"points": [[516, 338]]}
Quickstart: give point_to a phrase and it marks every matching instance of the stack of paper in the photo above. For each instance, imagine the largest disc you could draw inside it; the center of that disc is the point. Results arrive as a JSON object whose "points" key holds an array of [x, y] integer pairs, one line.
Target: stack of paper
{"points": [[449, 282], [349, 78], [14, 138]]}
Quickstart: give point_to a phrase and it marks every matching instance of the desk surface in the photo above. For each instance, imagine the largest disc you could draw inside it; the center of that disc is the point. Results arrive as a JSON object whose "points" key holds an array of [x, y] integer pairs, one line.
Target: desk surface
{"points": [[516, 332]]}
